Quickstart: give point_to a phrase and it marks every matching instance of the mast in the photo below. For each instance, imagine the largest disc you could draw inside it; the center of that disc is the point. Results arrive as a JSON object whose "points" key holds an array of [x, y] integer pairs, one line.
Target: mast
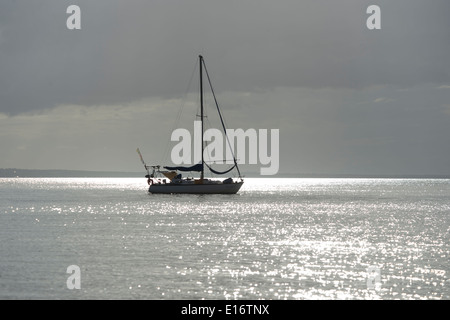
{"points": [[201, 109]]}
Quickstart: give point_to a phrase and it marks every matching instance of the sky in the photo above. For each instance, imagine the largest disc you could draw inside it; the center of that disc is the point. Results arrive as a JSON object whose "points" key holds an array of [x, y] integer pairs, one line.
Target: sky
{"points": [[346, 99]]}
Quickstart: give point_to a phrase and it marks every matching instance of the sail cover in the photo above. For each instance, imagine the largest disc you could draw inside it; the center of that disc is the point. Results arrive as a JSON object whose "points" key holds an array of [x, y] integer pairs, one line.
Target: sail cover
{"points": [[197, 167]]}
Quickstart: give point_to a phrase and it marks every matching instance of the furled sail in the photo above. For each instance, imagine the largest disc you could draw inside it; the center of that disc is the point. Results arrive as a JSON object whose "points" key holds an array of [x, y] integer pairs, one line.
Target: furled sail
{"points": [[197, 167]]}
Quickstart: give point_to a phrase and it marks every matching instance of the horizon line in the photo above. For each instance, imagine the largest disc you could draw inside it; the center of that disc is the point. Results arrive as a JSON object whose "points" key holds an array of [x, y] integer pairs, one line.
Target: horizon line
{"points": [[54, 173]]}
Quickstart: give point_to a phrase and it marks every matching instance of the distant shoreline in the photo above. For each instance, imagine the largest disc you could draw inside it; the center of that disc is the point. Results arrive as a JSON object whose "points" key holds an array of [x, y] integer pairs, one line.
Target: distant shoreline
{"points": [[31, 173]]}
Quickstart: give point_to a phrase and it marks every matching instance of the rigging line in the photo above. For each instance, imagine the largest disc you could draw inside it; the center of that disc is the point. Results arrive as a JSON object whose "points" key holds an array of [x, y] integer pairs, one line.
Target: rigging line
{"points": [[207, 143], [208, 125], [220, 172], [218, 161], [221, 118], [180, 111]]}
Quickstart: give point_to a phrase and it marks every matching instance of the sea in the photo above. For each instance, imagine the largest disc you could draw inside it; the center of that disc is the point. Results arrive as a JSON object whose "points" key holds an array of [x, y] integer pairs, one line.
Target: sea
{"points": [[277, 239]]}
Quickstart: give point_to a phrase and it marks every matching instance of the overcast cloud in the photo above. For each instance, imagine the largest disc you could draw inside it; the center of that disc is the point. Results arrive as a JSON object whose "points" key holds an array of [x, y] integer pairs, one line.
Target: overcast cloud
{"points": [[346, 99]]}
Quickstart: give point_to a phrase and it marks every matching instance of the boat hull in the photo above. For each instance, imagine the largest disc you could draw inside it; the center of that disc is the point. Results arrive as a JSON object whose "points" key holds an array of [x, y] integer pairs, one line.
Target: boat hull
{"points": [[221, 188]]}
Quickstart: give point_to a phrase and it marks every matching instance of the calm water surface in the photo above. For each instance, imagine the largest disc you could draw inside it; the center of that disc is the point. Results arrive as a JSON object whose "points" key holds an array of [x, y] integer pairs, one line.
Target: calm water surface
{"points": [[276, 239]]}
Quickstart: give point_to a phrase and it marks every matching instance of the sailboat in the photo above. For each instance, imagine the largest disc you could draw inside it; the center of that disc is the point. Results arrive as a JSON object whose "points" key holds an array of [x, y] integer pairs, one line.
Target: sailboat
{"points": [[175, 183]]}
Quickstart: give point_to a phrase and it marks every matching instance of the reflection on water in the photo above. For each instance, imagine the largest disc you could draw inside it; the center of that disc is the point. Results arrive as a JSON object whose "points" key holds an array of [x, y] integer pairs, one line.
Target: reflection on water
{"points": [[276, 239]]}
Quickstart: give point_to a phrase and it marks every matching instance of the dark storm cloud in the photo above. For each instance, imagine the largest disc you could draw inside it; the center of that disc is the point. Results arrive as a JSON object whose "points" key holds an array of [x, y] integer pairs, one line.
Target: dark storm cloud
{"points": [[130, 50]]}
